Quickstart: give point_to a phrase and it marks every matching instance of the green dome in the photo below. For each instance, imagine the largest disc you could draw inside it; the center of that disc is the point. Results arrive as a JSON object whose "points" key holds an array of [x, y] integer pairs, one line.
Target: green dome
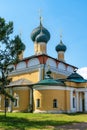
{"points": [[41, 38], [75, 77], [37, 31], [60, 47], [49, 81]]}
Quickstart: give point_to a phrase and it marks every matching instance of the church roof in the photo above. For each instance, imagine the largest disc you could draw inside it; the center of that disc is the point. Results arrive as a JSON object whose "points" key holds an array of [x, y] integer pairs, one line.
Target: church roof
{"points": [[75, 77], [48, 80]]}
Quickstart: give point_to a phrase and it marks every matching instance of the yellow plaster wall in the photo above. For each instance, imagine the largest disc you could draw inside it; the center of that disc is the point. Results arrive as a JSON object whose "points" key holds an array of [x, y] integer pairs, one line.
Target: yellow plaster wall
{"points": [[2, 102], [57, 76], [34, 76], [46, 97], [42, 48], [61, 56], [77, 85], [24, 98]]}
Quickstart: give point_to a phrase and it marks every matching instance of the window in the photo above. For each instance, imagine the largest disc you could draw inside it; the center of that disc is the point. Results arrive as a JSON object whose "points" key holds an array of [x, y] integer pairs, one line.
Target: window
{"points": [[55, 103], [16, 101], [38, 103], [73, 102]]}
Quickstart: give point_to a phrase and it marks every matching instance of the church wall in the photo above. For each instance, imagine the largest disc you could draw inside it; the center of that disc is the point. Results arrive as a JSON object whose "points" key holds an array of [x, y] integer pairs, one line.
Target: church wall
{"points": [[57, 76], [33, 76], [2, 101], [77, 85], [46, 100], [24, 98]]}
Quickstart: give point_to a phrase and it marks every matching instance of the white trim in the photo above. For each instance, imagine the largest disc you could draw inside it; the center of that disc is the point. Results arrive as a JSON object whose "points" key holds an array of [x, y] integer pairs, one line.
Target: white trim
{"points": [[40, 74], [81, 89], [36, 67], [85, 101], [39, 87], [49, 111], [21, 88]]}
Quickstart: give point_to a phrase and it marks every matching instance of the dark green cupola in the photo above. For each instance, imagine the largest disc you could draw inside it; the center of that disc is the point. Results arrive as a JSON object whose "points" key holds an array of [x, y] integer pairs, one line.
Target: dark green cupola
{"points": [[61, 48], [39, 31], [40, 36]]}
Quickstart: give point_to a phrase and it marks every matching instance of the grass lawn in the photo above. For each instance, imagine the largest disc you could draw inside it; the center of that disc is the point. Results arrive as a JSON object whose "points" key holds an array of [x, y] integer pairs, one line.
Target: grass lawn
{"points": [[29, 121]]}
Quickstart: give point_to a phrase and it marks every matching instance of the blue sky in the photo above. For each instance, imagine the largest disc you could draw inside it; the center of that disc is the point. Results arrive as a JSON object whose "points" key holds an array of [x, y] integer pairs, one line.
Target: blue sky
{"points": [[66, 16]]}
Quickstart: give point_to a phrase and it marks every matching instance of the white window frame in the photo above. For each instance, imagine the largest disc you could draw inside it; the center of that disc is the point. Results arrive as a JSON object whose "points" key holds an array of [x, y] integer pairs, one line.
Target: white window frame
{"points": [[16, 101]]}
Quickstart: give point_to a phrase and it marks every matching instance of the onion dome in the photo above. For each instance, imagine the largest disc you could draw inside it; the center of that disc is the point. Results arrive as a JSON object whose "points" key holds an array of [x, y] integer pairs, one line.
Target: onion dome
{"points": [[60, 47], [41, 38], [44, 35]]}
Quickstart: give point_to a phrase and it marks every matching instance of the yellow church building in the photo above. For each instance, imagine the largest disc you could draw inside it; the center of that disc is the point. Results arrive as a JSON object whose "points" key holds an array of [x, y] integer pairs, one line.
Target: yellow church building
{"points": [[43, 84]]}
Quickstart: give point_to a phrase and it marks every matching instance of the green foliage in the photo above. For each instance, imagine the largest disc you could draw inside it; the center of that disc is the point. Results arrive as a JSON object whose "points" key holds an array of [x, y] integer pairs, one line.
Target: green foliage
{"points": [[9, 51], [29, 121]]}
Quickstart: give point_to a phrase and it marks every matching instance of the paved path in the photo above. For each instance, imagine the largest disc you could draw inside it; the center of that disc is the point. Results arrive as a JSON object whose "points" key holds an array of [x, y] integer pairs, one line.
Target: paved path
{"points": [[74, 126]]}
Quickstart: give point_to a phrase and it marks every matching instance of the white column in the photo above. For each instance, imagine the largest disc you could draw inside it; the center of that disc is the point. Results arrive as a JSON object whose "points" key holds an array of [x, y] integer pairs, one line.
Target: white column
{"points": [[80, 102], [77, 102], [31, 101], [85, 100], [71, 100]]}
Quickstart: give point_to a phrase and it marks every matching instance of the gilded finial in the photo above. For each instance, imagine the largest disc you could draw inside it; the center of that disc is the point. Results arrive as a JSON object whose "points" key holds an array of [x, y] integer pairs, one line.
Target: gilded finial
{"points": [[41, 18], [60, 35]]}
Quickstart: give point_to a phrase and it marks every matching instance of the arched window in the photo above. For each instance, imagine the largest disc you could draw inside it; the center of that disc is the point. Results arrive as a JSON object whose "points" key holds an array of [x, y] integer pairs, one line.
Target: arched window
{"points": [[51, 62], [37, 103], [16, 101], [70, 69], [21, 65], [55, 103], [61, 66], [74, 102], [33, 62]]}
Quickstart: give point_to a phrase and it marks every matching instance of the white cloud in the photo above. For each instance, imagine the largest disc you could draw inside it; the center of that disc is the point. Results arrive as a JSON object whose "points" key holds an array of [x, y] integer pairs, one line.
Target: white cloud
{"points": [[83, 72]]}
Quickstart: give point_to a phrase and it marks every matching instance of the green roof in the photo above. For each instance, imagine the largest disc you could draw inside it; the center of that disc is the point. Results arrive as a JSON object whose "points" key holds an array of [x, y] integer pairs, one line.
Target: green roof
{"points": [[49, 81], [75, 77]]}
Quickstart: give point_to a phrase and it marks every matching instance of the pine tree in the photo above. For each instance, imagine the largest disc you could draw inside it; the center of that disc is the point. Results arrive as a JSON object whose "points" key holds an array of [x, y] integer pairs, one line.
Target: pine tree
{"points": [[10, 48]]}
